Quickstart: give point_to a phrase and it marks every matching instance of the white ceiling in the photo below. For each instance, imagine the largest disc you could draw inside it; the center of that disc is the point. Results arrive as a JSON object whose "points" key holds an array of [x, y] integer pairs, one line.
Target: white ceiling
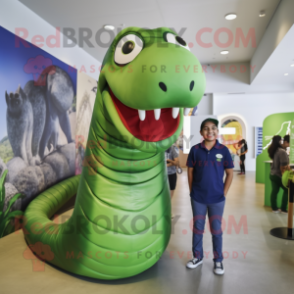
{"points": [[190, 14]]}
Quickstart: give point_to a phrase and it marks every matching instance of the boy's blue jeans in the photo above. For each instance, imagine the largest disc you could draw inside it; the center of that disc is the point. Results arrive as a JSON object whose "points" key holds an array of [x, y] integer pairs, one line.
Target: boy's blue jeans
{"points": [[215, 214]]}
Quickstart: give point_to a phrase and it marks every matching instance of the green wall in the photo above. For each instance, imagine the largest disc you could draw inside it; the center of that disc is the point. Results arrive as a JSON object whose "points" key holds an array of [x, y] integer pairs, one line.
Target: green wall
{"points": [[275, 124]]}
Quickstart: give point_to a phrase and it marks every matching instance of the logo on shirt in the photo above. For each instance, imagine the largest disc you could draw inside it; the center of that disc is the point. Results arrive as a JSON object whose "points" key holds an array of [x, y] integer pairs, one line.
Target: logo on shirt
{"points": [[218, 157]]}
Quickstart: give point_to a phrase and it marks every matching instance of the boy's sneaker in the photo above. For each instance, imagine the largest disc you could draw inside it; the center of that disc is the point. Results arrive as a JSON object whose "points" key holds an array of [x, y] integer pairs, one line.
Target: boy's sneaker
{"points": [[284, 211], [194, 262], [218, 268], [276, 211]]}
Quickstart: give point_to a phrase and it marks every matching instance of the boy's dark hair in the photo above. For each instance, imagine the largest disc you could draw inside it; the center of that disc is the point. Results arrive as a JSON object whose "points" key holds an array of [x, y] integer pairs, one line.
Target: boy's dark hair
{"points": [[213, 120], [287, 138]]}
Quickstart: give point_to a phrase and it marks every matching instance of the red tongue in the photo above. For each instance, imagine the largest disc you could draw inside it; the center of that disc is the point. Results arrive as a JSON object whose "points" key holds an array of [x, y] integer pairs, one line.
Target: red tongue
{"points": [[149, 130]]}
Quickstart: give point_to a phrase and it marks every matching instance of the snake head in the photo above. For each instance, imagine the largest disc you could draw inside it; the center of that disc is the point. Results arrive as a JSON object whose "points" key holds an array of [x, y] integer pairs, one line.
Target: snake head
{"points": [[147, 79]]}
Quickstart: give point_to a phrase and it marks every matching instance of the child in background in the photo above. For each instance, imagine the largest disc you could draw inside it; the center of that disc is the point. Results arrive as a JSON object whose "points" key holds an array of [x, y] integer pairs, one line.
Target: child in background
{"points": [[172, 161]]}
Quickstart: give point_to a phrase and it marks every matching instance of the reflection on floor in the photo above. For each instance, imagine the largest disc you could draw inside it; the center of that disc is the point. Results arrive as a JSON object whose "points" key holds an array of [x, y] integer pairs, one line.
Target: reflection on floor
{"points": [[255, 262]]}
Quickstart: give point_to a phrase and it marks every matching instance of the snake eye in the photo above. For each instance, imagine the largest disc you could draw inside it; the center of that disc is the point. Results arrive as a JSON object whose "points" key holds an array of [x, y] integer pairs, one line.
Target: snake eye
{"points": [[181, 41], [177, 40], [127, 49]]}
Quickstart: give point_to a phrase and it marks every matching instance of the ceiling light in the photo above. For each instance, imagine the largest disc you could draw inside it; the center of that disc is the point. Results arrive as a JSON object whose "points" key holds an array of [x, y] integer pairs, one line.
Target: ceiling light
{"points": [[292, 65], [285, 74], [261, 13], [224, 52], [230, 16], [109, 27]]}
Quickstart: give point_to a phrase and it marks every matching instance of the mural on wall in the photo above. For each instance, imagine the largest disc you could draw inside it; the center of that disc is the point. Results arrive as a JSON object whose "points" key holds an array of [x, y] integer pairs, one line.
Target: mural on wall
{"points": [[37, 120], [86, 95], [231, 140], [275, 124]]}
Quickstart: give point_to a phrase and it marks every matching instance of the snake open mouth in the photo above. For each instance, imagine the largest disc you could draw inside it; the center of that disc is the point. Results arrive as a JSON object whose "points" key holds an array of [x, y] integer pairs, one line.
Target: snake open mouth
{"points": [[148, 125]]}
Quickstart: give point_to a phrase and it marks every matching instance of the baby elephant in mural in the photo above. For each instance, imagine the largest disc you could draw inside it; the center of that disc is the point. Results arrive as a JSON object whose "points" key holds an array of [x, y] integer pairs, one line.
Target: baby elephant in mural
{"points": [[35, 113]]}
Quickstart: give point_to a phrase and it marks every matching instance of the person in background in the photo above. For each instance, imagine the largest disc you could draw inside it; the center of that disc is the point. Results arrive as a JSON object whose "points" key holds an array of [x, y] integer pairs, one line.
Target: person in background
{"points": [[172, 161], [286, 142], [280, 164], [237, 147], [242, 152], [207, 163]]}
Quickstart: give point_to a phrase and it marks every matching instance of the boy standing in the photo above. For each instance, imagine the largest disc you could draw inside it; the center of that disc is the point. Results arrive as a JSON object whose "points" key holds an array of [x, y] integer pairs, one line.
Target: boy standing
{"points": [[207, 162]]}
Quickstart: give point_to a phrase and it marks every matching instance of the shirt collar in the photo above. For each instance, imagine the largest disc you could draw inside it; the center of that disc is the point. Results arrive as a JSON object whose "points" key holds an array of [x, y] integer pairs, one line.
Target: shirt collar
{"points": [[216, 145]]}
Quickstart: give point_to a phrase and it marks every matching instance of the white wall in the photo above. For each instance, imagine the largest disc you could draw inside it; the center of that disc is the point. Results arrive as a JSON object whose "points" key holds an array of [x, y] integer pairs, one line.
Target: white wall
{"points": [[14, 14], [206, 105], [253, 108], [280, 24]]}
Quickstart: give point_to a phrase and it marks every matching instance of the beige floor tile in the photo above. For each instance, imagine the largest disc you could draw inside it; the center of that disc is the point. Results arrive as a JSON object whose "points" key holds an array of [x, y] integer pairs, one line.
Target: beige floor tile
{"points": [[255, 261]]}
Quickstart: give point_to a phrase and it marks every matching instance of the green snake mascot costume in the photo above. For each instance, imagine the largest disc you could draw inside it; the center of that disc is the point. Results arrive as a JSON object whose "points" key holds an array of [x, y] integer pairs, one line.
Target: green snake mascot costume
{"points": [[121, 222]]}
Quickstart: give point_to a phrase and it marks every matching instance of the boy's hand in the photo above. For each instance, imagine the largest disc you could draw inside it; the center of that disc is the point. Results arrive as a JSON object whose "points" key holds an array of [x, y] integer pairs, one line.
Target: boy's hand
{"points": [[190, 178], [228, 180]]}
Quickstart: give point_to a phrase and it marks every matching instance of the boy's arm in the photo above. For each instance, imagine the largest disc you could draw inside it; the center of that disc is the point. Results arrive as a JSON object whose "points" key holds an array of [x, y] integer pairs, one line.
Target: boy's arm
{"points": [[228, 180], [190, 177]]}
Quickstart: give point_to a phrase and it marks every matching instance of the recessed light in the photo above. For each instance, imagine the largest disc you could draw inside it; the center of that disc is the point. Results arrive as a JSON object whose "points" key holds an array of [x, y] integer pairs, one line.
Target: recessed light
{"points": [[292, 65], [230, 16], [224, 52], [285, 74], [109, 27], [261, 13]]}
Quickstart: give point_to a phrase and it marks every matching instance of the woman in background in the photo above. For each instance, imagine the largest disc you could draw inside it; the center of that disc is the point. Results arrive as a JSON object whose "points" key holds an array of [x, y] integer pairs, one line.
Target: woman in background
{"points": [[243, 151], [280, 164]]}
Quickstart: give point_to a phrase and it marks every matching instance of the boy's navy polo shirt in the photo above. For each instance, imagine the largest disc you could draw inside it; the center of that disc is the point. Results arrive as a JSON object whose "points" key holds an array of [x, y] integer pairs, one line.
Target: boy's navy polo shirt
{"points": [[208, 173]]}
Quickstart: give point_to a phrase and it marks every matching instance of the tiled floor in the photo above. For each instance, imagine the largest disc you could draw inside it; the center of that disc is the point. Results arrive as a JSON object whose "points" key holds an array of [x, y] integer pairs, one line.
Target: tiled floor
{"points": [[255, 262]]}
